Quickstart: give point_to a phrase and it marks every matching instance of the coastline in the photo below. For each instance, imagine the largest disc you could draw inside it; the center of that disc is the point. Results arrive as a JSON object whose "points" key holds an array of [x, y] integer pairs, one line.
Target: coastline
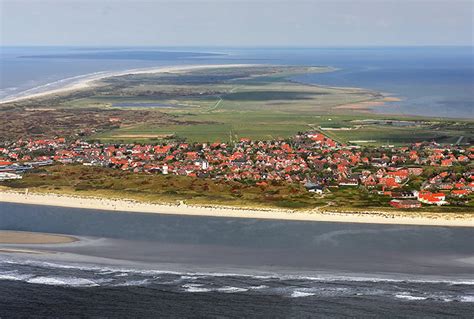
{"points": [[89, 81], [123, 205]]}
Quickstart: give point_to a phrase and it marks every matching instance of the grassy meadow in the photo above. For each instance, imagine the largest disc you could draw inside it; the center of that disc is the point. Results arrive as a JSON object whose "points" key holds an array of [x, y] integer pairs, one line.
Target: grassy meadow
{"points": [[259, 102], [111, 183]]}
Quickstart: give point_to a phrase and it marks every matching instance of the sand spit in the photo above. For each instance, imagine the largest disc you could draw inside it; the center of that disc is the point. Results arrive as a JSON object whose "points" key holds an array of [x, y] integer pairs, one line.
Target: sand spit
{"points": [[20, 237], [370, 217], [90, 81]]}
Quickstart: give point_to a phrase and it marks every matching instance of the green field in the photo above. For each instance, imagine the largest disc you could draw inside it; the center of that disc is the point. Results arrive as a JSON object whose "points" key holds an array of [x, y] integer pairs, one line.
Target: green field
{"points": [[270, 107], [228, 125], [254, 102]]}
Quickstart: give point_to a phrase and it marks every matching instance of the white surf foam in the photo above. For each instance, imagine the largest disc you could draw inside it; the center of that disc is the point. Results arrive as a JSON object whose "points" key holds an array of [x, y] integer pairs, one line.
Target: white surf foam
{"points": [[467, 299], [258, 287], [195, 288], [200, 288], [101, 270], [13, 275], [407, 296], [230, 289], [299, 294], [129, 283], [62, 281]]}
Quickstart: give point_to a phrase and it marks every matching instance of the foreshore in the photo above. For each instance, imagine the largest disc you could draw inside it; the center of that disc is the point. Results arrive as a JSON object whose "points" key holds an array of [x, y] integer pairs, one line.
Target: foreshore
{"points": [[90, 81], [123, 205], [21, 237]]}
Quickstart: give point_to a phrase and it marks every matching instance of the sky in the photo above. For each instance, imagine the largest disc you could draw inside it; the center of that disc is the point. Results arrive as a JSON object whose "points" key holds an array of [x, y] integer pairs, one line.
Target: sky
{"points": [[236, 23]]}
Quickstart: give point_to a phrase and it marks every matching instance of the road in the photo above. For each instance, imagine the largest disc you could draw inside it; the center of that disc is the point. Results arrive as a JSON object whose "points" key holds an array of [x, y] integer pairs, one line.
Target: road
{"points": [[459, 140]]}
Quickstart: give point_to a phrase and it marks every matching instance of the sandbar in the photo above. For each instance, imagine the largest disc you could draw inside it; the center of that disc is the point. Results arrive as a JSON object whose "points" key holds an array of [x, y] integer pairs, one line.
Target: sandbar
{"points": [[88, 81], [20, 237]]}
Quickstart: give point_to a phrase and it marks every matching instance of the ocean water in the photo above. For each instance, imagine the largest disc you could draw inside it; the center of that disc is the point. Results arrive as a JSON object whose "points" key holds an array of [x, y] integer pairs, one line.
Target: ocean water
{"points": [[434, 81], [31, 70], [150, 265]]}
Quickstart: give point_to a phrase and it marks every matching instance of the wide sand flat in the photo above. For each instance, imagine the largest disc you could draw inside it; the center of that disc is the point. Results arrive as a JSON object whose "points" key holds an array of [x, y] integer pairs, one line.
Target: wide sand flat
{"points": [[370, 217], [19, 237], [90, 81]]}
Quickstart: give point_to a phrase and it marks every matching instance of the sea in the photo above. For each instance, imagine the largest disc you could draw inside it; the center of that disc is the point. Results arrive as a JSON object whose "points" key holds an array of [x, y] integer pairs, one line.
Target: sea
{"points": [[430, 81], [134, 265]]}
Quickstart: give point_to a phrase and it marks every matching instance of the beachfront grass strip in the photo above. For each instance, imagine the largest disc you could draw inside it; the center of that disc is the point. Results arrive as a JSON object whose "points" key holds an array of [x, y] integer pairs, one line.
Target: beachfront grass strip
{"points": [[111, 183]]}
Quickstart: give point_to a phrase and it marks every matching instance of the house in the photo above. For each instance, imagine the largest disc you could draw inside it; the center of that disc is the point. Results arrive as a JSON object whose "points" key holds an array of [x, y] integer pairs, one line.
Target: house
{"points": [[314, 188], [349, 182], [399, 175], [405, 203], [460, 192], [432, 198], [447, 162], [4, 176], [404, 195], [389, 182]]}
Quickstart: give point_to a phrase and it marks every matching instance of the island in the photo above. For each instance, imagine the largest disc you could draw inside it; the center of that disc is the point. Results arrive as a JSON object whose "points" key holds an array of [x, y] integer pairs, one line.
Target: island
{"points": [[228, 138]]}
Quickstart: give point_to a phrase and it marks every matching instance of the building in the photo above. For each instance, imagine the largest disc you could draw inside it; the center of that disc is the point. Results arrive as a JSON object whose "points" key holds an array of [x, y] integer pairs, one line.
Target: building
{"points": [[432, 198], [405, 203], [4, 176]]}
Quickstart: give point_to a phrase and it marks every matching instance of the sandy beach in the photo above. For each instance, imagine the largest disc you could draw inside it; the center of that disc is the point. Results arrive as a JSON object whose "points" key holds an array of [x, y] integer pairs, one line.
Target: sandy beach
{"points": [[88, 81], [370, 217], [20, 237]]}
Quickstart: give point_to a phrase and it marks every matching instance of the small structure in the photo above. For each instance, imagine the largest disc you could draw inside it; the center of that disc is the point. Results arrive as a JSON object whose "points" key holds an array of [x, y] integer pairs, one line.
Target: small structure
{"points": [[349, 182], [5, 176], [460, 192], [314, 188], [432, 198], [405, 203], [403, 195]]}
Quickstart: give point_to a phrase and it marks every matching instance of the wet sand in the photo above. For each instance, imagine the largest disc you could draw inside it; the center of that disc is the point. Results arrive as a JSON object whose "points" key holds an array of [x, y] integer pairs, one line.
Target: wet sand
{"points": [[19, 237]]}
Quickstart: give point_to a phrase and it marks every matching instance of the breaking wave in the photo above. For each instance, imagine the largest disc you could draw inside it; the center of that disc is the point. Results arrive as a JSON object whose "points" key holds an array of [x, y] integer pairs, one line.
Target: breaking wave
{"points": [[298, 293], [290, 286], [407, 296], [63, 281]]}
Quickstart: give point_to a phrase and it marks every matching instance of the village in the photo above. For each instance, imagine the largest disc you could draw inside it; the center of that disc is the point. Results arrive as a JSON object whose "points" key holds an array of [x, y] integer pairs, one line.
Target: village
{"points": [[411, 176]]}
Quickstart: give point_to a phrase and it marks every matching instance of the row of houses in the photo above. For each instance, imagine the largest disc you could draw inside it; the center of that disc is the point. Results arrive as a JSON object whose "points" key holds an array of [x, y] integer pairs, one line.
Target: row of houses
{"points": [[309, 158]]}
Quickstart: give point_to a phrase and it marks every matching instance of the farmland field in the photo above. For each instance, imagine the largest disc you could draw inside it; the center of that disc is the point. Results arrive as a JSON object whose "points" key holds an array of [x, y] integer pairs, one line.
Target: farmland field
{"points": [[225, 104]]}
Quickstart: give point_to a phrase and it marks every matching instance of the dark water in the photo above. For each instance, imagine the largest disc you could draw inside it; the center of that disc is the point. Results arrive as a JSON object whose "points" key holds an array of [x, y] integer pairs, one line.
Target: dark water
{"points": [[144, 265], [434, 81]]}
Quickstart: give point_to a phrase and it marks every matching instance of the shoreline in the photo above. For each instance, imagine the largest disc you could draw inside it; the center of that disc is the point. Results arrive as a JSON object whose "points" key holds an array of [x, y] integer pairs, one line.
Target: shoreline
{"points": [[131, 206], [89, 79]]}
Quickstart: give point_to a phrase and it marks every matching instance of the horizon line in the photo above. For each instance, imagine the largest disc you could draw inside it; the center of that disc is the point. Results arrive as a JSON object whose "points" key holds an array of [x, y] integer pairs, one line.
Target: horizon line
{"points": [[239, 46]]}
